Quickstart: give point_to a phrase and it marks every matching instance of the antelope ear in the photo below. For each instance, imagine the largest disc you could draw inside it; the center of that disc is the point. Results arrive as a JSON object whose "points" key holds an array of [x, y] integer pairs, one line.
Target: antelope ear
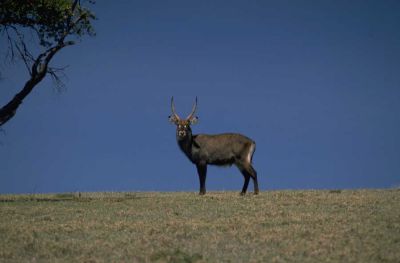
{"points": [[194, 120], [172, 119]]}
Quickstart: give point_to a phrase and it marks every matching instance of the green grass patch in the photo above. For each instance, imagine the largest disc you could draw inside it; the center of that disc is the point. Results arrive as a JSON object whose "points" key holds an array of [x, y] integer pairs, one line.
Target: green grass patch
{"points": [[275, 226]]}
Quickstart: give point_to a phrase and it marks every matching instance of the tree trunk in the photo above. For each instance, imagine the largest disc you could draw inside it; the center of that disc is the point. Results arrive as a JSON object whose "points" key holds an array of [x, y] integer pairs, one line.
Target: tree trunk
{"points": [[8, 111]]}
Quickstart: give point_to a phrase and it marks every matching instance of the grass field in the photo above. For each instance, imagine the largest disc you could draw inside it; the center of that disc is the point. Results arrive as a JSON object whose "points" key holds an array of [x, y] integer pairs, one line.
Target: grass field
{"points": [[275, 226]]}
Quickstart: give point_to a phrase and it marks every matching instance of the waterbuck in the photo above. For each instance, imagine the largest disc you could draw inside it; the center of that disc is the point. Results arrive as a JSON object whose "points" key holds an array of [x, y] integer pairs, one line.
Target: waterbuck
{"points": [[220, 149]]}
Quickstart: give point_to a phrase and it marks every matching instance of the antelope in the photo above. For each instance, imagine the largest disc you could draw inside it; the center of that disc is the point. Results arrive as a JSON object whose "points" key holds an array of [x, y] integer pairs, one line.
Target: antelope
{"points": [[218, 149]]}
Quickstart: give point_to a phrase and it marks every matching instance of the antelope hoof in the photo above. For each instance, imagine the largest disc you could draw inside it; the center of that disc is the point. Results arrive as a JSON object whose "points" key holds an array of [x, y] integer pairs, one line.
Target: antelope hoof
{"points": [[202, 193], [242, 193]]}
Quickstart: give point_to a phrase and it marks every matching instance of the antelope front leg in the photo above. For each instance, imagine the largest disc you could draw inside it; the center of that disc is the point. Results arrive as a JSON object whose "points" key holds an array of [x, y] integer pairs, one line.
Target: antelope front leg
{"points": [[202, 171]]}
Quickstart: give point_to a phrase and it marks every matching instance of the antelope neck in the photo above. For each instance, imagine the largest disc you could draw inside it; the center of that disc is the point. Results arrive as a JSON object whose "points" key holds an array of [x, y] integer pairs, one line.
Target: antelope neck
{"points": [[185, 144]]}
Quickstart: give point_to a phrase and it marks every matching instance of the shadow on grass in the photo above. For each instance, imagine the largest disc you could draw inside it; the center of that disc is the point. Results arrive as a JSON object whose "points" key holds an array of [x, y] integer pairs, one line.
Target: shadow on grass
{"points": [[67, 197], [335, 191]]}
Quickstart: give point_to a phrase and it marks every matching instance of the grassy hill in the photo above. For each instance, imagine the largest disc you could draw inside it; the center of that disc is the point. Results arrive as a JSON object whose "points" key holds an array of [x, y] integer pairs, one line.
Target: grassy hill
{"points": [[275, 226]]}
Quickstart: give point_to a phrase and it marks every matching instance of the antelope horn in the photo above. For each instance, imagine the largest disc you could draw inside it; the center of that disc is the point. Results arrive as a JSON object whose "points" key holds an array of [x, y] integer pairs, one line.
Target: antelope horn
{"points": [[173, 109], [193, 110]]}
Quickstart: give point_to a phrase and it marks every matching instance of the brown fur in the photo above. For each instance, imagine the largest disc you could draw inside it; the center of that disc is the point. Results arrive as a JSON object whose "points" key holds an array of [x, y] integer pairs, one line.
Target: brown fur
{"points": [[220, 149]]}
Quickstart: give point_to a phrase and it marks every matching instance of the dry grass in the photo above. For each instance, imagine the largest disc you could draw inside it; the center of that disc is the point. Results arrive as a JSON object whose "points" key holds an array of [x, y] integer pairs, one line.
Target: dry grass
{"points": [[276, 226]]}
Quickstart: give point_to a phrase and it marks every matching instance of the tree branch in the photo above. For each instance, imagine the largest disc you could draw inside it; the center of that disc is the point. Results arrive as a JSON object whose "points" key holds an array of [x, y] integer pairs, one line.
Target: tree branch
{"points": [[38, 72], [39, 67], [10, 42]]}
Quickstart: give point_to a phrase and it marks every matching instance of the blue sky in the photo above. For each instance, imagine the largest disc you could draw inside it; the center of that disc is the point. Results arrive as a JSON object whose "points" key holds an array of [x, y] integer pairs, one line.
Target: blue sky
{"points": [[315, 83]]}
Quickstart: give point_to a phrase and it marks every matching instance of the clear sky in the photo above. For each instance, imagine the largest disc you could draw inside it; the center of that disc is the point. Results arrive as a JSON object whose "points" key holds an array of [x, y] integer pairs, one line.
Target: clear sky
{"points": [[315, 83]]}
